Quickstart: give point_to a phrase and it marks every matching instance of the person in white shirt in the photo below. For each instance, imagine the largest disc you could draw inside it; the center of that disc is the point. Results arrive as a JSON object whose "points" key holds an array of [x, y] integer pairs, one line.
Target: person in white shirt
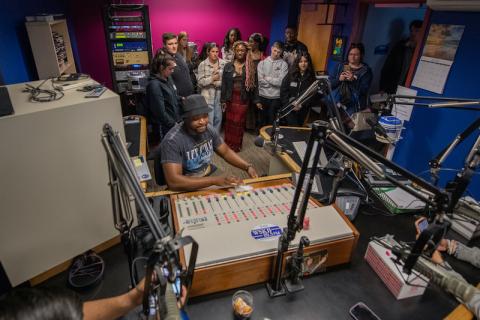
{"points": [[271, 72], [210, 83]]}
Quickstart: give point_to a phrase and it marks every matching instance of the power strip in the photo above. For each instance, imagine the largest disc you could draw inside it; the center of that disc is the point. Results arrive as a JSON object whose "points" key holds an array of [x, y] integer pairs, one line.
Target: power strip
{"points": [[69, 85]]}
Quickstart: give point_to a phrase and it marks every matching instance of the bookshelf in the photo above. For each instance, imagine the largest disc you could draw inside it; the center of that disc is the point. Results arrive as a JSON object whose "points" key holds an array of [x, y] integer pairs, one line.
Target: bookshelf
{"points": [[51, 47]]}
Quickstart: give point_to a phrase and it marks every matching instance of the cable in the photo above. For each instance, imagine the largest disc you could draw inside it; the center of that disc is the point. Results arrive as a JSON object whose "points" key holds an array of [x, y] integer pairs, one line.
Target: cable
{"points": [[43, 95]]}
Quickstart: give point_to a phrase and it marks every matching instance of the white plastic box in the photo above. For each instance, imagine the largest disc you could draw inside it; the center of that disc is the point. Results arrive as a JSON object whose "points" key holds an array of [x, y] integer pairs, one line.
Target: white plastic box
{"points": [[380, 259]]}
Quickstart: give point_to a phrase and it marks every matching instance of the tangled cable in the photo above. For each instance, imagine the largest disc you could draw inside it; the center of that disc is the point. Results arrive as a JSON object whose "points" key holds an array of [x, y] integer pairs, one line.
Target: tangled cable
{"points": [[37, 94]]}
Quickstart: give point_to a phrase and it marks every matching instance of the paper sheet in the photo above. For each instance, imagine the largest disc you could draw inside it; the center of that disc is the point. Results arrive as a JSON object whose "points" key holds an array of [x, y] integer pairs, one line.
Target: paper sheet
{"points": [[431, 76], [301, 148], [403, 111], [316, 187], [437, 57], [404, 200]]}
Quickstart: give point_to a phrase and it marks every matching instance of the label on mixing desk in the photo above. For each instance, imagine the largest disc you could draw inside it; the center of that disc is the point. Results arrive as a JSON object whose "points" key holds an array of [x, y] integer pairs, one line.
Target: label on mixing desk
{"points": [[266, 232], [194, 221]]}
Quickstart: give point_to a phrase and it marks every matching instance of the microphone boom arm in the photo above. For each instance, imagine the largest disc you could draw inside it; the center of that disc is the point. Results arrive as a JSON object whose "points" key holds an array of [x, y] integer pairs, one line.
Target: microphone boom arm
{"points": [[165, 251]]}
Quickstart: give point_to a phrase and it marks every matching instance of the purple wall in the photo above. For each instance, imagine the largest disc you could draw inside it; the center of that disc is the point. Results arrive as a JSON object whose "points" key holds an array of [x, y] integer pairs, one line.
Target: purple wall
{"points": [[204, 20]]}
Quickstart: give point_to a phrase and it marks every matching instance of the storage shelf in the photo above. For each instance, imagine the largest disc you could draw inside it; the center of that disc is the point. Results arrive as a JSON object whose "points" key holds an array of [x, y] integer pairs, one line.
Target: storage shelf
{"points": [[44, 49]]}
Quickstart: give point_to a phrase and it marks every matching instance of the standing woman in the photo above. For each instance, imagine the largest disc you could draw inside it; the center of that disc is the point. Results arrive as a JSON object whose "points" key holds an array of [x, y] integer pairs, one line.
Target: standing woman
{"points": [[234, 97], [257, 45], [209, 82], [298, 79], [185, 51], [188, 54], [351, 81], [231, 37], [163, 104]]}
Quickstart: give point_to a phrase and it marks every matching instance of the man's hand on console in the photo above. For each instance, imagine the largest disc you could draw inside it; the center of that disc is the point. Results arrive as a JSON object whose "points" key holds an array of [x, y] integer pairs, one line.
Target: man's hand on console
{"points": [[252, 172], [228, 180]]}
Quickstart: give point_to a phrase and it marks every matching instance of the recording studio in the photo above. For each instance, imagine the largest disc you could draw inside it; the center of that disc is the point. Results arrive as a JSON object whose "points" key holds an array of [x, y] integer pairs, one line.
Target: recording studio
{"points": [[264, 160]]}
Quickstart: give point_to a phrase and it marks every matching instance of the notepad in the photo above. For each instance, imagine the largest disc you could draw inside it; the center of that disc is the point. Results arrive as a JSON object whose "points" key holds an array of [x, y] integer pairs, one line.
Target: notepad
{"points": [[398, 200]]}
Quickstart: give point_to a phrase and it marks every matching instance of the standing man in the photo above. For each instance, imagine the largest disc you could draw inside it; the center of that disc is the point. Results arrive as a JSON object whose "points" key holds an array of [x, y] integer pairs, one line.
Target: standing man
{"points": [[292, 45], [187, 151], [397, 64], [271, 72], [181, 75]]}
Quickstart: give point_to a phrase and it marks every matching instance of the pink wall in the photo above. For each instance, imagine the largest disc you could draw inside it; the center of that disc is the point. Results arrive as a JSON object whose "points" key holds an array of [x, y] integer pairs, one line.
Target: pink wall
{"points": [[204, 20]]}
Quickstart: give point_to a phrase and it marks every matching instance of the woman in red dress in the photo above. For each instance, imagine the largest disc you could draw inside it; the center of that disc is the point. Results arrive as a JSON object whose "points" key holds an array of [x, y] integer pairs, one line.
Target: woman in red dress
{"points": [[234, 97]]}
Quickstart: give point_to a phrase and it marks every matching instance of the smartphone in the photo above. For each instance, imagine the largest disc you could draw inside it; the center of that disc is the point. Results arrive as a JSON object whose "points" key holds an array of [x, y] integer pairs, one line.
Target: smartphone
{"points": [[422, 225], [360, 311]]}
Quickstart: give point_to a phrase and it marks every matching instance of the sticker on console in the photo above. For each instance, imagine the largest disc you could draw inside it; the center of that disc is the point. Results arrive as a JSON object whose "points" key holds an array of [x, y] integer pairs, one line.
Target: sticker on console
{"points": [[194, 221], [266, 232]]}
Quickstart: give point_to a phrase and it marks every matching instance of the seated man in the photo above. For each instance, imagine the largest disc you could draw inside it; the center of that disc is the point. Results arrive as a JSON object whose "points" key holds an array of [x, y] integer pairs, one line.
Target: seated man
{"points": [[187, 150]]}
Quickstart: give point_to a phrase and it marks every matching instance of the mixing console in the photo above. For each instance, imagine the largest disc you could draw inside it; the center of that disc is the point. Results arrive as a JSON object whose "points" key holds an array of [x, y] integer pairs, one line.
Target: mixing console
{"points": [[220, 209]]}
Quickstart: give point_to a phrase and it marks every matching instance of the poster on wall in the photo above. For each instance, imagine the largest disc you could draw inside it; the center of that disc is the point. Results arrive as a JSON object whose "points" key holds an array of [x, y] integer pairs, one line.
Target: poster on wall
{"points": [[338, 48], [437, 57]]}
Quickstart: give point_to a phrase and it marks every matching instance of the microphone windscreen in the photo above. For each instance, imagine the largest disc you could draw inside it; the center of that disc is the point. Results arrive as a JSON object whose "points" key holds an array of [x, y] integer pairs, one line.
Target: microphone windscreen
{"points": [[259, 141], [370, 122]]}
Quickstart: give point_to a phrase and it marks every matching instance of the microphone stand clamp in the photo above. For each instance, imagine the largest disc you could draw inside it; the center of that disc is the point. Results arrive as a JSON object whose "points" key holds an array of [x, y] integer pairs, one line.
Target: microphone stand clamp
{"points": [[293, 268]]}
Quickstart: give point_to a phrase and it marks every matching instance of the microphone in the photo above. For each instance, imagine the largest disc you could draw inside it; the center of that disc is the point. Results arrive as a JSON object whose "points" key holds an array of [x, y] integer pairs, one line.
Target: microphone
{"points": [[450, 283], [377, 128], [169, 305], [439, 276], [261, 143]]}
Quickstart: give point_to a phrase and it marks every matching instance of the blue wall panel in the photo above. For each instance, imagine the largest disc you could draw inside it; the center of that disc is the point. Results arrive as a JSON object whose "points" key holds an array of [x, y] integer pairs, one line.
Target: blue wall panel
{"points": [[396, 22], [285, 12], [429, 131], [16, 59]]}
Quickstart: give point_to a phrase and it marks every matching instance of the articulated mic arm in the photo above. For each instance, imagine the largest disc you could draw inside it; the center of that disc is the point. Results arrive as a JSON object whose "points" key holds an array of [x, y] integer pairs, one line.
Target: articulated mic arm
{"points": [[164, 259], [438, 202]]}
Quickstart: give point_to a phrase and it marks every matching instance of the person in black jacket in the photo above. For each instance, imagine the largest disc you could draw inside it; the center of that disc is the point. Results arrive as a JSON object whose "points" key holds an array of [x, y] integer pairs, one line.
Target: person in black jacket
{"points": [[397, 64], [298, 79], [292, 47], [351, 83], [163, 103], [181, 77]]}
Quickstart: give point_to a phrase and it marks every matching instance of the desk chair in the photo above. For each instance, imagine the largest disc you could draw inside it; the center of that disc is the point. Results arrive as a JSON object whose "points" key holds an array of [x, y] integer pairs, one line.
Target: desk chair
{"points": [[157, 167]]}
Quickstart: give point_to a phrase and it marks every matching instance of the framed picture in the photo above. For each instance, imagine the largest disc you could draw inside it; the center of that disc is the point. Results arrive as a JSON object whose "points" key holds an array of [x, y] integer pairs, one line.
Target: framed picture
{"points": [[338, 47]]}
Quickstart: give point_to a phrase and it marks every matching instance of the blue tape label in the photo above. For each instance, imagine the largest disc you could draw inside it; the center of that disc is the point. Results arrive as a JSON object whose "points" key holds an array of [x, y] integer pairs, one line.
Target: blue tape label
{"points": [[266, 232]]}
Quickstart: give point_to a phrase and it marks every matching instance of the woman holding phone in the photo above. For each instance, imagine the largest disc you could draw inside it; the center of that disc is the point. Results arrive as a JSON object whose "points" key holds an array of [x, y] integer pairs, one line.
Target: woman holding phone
{"points": [[351, 81]]}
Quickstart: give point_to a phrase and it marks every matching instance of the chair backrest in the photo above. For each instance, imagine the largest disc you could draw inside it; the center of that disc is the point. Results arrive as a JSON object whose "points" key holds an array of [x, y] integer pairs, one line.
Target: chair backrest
{"points": [[157, 167]]}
